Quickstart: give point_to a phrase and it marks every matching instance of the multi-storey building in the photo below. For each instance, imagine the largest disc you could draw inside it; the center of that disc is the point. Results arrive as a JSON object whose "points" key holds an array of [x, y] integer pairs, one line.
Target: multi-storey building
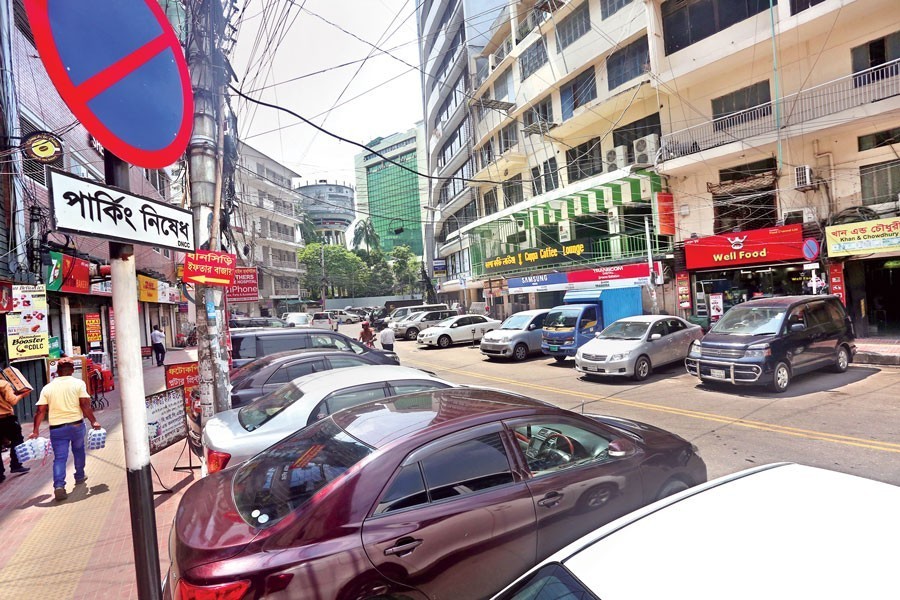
{"points": [[330, 208], [451, 34], [390, 195], [266, 221]]}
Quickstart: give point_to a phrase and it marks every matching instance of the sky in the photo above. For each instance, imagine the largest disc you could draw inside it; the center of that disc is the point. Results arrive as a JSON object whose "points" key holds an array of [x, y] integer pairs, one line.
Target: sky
{"points": [[360, 101]]}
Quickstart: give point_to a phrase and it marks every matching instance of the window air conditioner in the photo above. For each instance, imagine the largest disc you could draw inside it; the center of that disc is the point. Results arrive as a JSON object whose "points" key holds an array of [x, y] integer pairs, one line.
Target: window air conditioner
{"points": [[645, 149], [803, 178], [799, 215], [617, 158]]}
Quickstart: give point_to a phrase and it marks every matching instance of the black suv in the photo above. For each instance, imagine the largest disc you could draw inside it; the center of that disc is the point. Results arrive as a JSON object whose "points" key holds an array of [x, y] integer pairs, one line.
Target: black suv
{"points": [[250, 344], [770, 340]]}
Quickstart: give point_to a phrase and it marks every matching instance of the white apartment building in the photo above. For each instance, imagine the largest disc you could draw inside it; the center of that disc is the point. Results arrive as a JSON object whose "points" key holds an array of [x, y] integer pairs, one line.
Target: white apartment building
{"points": [[265, 222]]}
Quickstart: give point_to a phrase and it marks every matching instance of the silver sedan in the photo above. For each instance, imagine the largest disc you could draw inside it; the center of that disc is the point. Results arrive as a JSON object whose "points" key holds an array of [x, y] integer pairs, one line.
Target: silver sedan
{"points": [[633, 346]]}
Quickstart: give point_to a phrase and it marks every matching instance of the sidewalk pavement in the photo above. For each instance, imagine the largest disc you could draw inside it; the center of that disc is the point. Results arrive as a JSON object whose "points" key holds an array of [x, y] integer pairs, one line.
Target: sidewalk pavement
{"points": [[81, 548], [877, 351]]}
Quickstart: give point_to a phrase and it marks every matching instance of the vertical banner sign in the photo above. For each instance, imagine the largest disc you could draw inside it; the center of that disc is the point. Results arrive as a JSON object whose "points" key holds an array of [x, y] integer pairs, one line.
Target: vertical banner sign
{"points": [[27, 334], [187, 377], [165, 418], [836, 281], [93, 330], [665, 214], [683, 289], [716, 306]]}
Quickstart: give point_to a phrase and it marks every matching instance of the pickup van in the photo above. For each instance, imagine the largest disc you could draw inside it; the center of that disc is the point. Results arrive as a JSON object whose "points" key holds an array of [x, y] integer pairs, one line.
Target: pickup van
{"points": [[584, 314]]}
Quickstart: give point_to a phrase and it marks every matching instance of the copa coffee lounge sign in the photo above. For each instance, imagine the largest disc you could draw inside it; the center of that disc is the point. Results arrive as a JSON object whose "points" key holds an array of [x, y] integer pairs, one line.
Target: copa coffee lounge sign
{"points": [[757, 246]]}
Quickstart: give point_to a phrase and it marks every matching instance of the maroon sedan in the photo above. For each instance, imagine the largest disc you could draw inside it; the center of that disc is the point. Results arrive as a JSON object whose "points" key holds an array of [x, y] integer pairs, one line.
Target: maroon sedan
{"points": [[443, 494]]}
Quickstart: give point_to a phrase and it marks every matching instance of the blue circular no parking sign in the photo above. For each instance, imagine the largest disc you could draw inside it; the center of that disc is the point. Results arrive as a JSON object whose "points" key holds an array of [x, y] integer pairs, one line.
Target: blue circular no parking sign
{"points": [[810, 249]]}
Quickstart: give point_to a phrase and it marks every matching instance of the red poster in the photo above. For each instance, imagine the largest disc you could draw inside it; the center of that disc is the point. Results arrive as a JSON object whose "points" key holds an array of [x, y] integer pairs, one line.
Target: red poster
{"points": [[246, 286], [93, 330], [665, 211], [186, 374], [683, 289], [210, 268], [836, 281], [6, 297], [612, 273], [745, 247]]}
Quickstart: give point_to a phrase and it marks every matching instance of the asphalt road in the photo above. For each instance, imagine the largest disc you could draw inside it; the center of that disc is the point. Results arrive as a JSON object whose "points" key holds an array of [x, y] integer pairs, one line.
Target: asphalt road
{"points": [[845, 422]]}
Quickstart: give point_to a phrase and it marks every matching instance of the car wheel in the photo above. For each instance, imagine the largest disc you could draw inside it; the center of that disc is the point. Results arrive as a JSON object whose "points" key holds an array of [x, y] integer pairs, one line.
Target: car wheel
{"points": [[642, 368], [412, 333], [520, 352], [444, 341], [672, 487], [841, 360], [559, 359], [781, 377]]}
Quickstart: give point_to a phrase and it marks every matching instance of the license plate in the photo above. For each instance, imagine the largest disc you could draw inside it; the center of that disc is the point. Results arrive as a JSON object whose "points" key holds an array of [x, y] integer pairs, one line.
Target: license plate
{"points": [[589, 368], [554, 348], [717, 373]]}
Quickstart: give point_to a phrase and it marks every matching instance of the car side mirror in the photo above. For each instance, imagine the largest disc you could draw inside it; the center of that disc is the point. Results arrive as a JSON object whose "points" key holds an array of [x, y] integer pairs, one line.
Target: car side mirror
{"points": [[454, 325], [621, 448], [655, 336], [797, 327], [532, 327]]}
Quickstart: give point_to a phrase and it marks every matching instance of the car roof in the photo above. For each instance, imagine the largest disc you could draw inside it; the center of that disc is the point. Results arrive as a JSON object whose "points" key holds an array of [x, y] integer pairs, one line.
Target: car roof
{"points": [[782, 301], [533, 311], [804, 532], [384, 421], [288, 355], [646, 318], [280, 331], [325, 382]]}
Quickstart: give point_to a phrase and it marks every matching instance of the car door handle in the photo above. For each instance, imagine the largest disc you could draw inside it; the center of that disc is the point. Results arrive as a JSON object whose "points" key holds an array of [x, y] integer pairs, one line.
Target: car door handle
{"points": [[403, 547], [550, 500]]}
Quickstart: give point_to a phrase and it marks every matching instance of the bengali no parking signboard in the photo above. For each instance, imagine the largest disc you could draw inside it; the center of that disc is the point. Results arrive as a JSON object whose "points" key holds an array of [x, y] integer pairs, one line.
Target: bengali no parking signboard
{"points": [[246, 286], [83, 206]]}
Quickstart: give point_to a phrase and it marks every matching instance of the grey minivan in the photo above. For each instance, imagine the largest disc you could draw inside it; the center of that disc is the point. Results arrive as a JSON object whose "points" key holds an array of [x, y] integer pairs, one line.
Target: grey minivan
{"points": [[250, 344], [518, 336]]}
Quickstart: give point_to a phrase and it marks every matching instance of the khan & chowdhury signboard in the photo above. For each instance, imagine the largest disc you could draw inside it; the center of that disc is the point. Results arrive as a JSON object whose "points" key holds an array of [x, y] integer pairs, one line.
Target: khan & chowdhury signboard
{"points": [[756, 246], [867, 237]]}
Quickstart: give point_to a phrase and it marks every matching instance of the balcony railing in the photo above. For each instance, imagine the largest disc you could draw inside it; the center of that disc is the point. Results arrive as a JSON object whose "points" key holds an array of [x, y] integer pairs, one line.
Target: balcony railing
{"points": [[284, 237], [858, 89], [534, 18], [281, 264], [504, 49], [287, 291]]}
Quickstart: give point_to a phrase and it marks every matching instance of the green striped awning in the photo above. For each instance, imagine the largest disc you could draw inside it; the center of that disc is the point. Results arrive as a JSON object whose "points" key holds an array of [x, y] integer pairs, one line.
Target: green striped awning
{"points": [[635, 189]]}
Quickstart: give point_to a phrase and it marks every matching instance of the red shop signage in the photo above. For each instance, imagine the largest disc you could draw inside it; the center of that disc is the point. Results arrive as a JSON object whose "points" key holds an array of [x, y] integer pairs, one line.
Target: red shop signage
{"points": [[836, 281], [612, 273], [246, 286], [745, 247]]}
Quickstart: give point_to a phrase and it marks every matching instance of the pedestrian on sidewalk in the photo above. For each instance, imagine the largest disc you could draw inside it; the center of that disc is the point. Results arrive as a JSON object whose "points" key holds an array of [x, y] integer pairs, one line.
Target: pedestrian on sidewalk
{"points": [[386, 338], [67, 402], [10, 428], [158, 340]]}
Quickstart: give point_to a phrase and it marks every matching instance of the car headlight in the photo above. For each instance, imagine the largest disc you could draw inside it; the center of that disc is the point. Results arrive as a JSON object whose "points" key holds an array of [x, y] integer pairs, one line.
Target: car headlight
{"points": [[758, 351], [694, 350], [504, 339], [621, 356]]}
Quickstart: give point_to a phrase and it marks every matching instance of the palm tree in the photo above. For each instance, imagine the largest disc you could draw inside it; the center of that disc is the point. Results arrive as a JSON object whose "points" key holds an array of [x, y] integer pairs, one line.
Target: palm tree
{"points": [[308, 229], [364, 233]]}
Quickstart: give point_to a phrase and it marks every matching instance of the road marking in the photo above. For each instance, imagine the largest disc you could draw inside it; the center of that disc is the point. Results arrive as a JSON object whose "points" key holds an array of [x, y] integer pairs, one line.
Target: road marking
{"points": [[747, 423]]}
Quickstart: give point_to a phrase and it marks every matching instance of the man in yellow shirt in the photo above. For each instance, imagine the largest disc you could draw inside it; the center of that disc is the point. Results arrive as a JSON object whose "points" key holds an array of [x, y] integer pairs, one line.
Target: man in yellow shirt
{"points": [[67, 402], [9, 426]]}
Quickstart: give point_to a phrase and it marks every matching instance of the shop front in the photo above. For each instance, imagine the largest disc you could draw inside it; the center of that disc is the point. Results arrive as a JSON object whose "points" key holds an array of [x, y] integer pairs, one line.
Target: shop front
{"points": [[725, 270], [78, 309], [866, 265], [158, 303]]}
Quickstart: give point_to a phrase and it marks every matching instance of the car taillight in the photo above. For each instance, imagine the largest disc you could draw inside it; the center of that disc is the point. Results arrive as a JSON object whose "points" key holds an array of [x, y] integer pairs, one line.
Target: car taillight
{"points": [[234, 590], [216, 461]]}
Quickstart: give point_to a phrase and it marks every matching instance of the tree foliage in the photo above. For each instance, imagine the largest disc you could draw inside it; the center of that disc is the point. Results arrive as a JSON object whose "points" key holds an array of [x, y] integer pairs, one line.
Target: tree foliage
{"points": [[364, 234]]}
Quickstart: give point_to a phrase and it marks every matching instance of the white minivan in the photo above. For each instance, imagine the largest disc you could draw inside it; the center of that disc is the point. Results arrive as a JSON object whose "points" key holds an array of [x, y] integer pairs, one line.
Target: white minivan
{"points": [[401, 313]]}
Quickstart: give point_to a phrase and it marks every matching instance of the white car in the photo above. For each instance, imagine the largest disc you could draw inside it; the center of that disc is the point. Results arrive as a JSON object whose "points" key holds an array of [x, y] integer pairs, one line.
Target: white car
{"points": [[634, 346], [233, 436], [297, 319], [457, 330], [324, 320], [779, 532], [345, 317]]}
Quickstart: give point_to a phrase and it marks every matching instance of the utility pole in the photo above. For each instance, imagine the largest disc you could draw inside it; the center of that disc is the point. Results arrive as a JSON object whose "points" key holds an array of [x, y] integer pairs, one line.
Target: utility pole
{"points": [[205, 170], [651, 282], [323, 284]]}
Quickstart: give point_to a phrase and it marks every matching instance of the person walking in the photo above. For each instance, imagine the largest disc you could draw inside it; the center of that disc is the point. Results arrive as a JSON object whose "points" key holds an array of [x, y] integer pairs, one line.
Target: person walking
{"points": [[386, 337], [66, 402], [158, 340], [10, 428], [366, 336]]}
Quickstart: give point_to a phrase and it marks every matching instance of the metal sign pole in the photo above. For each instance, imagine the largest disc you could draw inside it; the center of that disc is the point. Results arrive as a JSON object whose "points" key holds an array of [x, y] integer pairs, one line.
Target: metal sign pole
{"points": [[134, 409]]}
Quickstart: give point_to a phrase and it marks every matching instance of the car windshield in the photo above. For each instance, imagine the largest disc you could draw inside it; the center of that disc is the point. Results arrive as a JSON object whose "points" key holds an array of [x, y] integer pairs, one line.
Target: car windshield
{"points": [[255, 414], [564, 317], [516, 322], [282, 478], [750, 320], [446, 322], [624, 330]]}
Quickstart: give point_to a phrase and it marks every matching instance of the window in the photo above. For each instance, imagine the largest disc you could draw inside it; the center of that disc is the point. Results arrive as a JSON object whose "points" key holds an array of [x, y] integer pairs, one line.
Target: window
{"points": [[542, 112], [742, 106], [686, 22], [577, 92], [536, 189], [490, 202], [880, 182], [658, 328], [409, 387], [627, 134], [339, 361], [627, 63], [508, 137], [292, 372], [573, 27], [281, 343], [589, 318], [875, 54], [610, 7], [551, 582], [550, 447], [512, 191], [801, 5], [346, 399], [407, 490], [532, 58], [503, 87], [879, 139], [467, 468], [584, 160], [551, 174], [675, 325]]}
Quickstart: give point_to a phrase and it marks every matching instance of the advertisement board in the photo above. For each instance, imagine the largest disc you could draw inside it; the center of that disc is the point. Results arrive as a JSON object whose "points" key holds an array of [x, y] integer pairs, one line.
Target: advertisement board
{"points": [[246, 286], [745, 248], [166, 424], [867, 237], [148, 289], [683, 289], [185, 374], [836, 281], [93, 330], [27, 334], [209, 268], [665, 213], [550, 254], [68, 274]]}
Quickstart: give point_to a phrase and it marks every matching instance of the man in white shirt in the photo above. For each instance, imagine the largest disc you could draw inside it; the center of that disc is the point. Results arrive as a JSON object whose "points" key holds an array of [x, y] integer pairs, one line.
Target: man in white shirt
{"points": [[386, 337], [158, 340]]}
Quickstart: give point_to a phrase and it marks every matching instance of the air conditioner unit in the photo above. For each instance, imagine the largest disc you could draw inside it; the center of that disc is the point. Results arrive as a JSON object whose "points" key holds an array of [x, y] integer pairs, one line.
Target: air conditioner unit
{"points": [[799, 215], [803, 178], [565, 231], [645, 149], [617, 158]]}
